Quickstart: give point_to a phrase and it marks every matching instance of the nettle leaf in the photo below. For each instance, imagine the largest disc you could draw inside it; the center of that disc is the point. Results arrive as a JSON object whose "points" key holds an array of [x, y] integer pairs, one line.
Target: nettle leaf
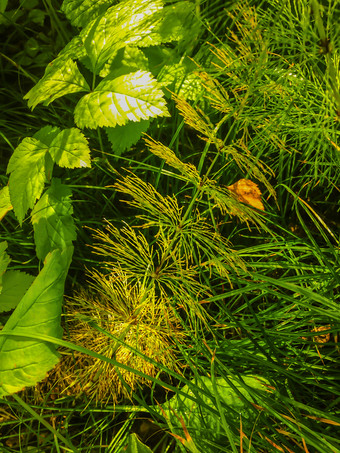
{"points": [[121, 24], [25, 361], [57, 81], [204, 426], [128, 59], [178, 23], [52, 220], [4, 261], [70, 149], [130, 97], [123, 137], [47, 134], [5, 202], [80, 12], [15, 284], [27, 179], [182, 81]]}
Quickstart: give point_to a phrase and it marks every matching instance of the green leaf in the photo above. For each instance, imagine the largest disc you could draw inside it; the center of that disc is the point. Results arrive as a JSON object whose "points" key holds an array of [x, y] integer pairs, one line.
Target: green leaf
{"points": [[178, 23], [122, 24], [205, 426], [130, 97], [52, 220], [182, 81], [47, 134], [3, 5], [27, 179], [136, 446], [81, 12], [23, 361], [4, 261], [59, 79], [123, 137], [129, 59], [5, 202], [70, 149], [15, 284]]}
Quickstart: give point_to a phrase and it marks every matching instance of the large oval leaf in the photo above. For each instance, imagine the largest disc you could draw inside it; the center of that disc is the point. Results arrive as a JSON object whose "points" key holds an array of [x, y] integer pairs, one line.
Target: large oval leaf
{"points": [[23, 361]]}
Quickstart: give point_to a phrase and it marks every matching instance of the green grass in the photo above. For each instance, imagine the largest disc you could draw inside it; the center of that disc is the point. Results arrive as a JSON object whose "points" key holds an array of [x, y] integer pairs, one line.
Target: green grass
{"points": [[251, 291]]}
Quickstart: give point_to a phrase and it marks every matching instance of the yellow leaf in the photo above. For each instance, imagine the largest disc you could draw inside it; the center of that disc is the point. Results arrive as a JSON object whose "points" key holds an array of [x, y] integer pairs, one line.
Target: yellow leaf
{"points": [[248, 192]]}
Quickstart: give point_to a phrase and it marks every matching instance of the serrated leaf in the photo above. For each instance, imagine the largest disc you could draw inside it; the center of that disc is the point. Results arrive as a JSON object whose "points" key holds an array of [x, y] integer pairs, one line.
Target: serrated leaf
{"points": [[129, 59], [203, 425], [15, 284], [182, 81], [130, 97], [70, 149], [47, 134], [57, 81], [27, 168], [123, 137], [4, 261], [80, 12], [25, 361], [136, 446], [52, 220], [178, 23], [5, 202], [121, 24]]}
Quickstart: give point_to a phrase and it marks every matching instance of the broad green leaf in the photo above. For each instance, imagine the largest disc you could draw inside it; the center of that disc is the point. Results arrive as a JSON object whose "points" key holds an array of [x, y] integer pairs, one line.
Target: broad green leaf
{"points": [[4, 261], [121, 24], [204, 426], [136, 446], [81, 12], [178, 23], [47, 134], [130, 97], [57, 81], [15, 284], [23, 361], [182, 81], [52, 220], [5, 202], [70, 149], [129, 59], [27, 168], [123, 137]]}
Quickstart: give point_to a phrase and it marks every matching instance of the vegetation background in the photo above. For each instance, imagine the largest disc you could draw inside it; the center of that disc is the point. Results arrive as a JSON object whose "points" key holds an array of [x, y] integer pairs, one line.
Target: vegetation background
{"points": [[201, 313]]}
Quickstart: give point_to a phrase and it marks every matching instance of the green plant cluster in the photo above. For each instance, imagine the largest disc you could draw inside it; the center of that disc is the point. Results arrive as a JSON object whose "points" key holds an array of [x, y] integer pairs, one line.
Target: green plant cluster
{"points": [[176, 180]]}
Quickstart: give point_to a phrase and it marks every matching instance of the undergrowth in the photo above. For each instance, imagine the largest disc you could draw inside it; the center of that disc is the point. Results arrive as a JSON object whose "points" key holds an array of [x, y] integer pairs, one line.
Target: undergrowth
{"points": [[169, 239]]}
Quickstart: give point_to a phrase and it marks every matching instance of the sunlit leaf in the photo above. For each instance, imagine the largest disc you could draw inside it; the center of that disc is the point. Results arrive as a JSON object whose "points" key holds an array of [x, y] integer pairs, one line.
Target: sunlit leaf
{"points": [[52, 220], [4, 261], [25, 361], [27, 179], [248, 192], [57, 81], [131, 97], [129, 59], [121, 24], [123, 137], [70, 149], [178, 23], [15, 284], [80, 12], [5, 202]]}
